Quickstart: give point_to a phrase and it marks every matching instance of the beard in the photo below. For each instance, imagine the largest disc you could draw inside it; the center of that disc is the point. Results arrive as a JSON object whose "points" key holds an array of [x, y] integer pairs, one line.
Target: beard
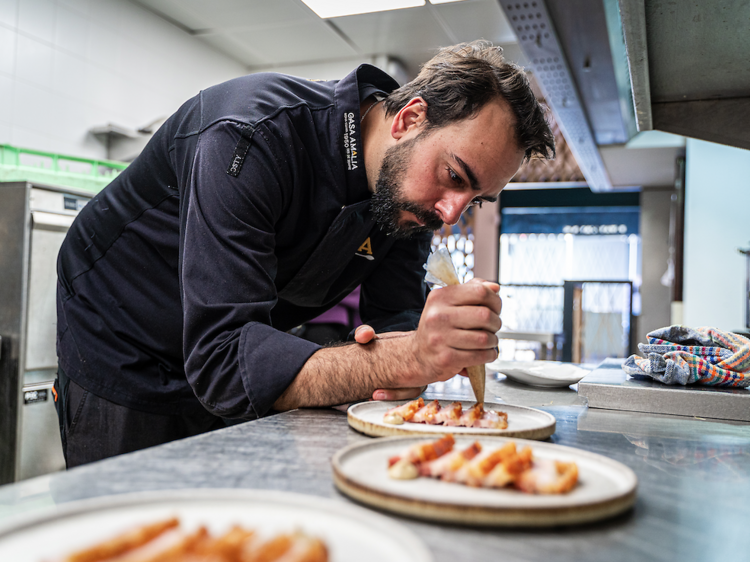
{"points": [[388, 201]]}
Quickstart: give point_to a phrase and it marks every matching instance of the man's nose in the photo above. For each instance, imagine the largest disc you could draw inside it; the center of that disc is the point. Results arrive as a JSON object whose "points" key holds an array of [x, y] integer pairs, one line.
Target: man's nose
{"points": [[451, 207]]}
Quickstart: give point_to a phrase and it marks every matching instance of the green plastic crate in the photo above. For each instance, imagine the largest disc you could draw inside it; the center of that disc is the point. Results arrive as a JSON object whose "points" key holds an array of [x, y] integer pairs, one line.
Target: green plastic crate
{"points": [[24, 164]]}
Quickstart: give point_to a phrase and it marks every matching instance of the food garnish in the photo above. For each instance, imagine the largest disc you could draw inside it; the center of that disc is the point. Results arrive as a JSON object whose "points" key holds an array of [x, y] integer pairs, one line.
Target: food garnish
{"points": [[498, 468], [432, 414]]}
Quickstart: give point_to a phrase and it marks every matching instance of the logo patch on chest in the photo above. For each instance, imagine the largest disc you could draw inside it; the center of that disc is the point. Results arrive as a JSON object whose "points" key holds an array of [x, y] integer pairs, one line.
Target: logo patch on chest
{"points": [[351, 141], [365, 250]]}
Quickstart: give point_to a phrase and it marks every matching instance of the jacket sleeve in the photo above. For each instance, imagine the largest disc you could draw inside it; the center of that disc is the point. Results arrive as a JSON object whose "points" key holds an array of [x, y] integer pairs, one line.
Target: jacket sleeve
{"points": [[236, 362], [394, 295]]}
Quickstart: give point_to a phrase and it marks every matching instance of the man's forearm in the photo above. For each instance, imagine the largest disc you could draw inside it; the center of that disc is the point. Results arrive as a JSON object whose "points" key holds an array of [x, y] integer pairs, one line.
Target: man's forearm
{"points": [[336, 375], [457, 329]]}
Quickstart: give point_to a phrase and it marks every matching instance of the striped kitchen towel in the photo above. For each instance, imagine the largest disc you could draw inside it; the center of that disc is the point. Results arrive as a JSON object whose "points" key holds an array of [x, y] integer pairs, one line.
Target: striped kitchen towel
{"points": [[682, 355]]}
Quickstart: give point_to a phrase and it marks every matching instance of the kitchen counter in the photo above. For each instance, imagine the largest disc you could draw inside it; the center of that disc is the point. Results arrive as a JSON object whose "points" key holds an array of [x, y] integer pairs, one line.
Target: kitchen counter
{"points": [[693, 496]]}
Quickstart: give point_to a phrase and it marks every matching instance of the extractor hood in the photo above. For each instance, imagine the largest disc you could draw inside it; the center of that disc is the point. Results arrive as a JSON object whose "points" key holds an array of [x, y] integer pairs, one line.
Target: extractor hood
{"points": [[609, 68], [576, 52], [690, 67]]}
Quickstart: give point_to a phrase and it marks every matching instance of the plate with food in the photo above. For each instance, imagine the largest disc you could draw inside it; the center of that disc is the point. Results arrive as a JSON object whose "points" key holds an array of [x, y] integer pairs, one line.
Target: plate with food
{"points": [[215, 525], [540, 373], [420, 417], [488, 481]]}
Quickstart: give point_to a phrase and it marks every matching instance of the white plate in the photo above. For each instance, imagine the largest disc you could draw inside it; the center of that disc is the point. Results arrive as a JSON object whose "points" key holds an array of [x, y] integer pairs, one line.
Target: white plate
{"points": [[539, 373], [605, 487], [529, 423], [350, 532]]}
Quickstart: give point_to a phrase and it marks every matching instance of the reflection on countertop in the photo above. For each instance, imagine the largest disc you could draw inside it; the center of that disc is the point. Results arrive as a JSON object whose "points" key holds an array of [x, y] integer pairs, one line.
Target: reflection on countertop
{"points": [[674, 445]]}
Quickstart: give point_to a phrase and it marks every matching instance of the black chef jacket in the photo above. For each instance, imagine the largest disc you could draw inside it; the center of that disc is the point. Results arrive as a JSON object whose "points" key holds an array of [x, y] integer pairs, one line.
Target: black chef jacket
{"points": [[247, 214]]}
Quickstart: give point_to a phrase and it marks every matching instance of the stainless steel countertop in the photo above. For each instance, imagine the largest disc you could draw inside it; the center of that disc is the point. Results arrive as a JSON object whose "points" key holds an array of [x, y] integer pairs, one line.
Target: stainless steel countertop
{"points": [[693, 496]]}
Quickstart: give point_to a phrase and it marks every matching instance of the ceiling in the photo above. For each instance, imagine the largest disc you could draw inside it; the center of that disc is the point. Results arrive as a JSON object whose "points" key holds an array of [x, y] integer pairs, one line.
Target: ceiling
{"points": [[265, 34]]}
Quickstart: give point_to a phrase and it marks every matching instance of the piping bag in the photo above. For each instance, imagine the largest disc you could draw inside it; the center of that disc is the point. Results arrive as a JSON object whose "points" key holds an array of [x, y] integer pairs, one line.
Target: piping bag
{"points": [[440, 271]]}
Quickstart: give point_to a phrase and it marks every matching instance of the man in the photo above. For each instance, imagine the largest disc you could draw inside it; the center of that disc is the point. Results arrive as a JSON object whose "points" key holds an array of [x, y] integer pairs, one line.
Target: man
{"points": [[259, 204]]}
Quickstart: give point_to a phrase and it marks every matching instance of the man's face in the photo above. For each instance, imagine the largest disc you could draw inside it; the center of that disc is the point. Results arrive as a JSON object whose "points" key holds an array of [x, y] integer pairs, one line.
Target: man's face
{"points": [[389, 204], [430, 178]]}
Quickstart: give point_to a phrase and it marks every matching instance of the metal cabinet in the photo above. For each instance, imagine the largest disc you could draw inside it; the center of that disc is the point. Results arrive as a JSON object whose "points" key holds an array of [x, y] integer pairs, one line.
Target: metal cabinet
{"points": [[34, 220]]}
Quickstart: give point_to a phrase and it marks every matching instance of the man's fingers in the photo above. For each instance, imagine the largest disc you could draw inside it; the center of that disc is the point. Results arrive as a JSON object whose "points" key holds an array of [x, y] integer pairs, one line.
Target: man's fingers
{"points": [[491, 285], [364, 334], [468, 294], [470, 340], [397, 393], [447, 320], [471, 318], [451, 362]]}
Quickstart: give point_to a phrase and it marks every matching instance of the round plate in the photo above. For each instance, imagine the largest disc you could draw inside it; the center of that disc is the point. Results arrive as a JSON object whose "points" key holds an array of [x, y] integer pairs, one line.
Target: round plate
{"points": [[367, 418], [350, 532], [540, 373], [605, 487]]}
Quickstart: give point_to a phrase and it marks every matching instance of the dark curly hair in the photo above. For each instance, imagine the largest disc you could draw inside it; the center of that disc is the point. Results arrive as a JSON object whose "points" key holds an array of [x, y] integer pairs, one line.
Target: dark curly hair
{"points": [[460, 80]]}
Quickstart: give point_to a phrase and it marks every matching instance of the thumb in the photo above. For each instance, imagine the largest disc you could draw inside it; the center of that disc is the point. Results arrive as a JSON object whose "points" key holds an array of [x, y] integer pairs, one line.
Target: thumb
{"points": [[364, 334]]}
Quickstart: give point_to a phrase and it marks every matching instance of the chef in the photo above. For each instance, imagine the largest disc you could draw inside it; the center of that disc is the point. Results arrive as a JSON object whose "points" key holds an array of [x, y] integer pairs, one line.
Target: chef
{"points": [[261, 203]]}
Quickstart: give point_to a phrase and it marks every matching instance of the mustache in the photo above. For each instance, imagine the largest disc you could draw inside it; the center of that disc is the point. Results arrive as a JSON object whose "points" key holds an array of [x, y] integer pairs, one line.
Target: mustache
{"points": [[429, 219]]}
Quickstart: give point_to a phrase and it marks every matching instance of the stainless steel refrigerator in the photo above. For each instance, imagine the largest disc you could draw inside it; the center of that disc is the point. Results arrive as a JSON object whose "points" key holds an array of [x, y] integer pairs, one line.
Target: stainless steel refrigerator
{"points": [[34, 220]]}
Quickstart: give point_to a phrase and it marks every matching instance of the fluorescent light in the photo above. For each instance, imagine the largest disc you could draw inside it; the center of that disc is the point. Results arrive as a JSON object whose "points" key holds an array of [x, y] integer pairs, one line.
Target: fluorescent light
{"points": [[441, 1], [337, 8]]}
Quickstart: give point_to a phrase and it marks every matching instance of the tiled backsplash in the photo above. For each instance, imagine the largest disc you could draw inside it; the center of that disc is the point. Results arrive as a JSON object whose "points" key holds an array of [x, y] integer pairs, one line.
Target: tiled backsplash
{"points": [[69, 65]]}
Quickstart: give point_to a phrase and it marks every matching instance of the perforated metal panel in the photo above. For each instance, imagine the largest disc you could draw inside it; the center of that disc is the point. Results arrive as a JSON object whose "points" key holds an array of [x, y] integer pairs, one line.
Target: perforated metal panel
{"points": [[539, 42]]}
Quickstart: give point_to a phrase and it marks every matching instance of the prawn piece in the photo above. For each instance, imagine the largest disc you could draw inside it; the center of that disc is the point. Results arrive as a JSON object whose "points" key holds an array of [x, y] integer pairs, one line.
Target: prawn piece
{"points": [[427, 414], [492, 420], [423, 452], [548, 477], [449, 464], [227, 546], [474, 472], [510, 469], [401, 414], [125, 542], [471, 415], [306, 549], [449, 415], [176, 545], [296, 547]]}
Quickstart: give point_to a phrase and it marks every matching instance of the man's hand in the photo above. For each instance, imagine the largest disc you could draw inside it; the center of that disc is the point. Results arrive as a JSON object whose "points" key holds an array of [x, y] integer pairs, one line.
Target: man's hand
{"points": [[442, 337], [457, 330]]}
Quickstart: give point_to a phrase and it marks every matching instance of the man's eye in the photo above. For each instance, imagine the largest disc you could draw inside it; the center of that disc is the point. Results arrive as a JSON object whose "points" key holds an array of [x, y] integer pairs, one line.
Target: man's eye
{"points": [[477, 203], [454, 176]]}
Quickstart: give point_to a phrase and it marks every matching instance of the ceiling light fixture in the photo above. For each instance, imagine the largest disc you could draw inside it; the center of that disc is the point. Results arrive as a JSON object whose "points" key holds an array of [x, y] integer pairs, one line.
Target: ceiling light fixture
{"points": [[337, 8], [444, 1]]}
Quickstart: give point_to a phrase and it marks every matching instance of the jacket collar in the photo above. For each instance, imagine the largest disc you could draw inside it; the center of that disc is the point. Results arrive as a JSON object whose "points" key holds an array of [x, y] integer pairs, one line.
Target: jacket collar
{"points": [[347, 120]]}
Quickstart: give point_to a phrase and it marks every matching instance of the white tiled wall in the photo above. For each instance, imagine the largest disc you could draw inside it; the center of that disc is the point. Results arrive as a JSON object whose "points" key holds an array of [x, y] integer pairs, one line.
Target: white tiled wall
{"points": [[69, 65]]}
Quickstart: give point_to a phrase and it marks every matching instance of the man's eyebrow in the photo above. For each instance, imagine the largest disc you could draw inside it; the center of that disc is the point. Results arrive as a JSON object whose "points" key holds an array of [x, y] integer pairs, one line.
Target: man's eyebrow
{"points": [[469, 173]]}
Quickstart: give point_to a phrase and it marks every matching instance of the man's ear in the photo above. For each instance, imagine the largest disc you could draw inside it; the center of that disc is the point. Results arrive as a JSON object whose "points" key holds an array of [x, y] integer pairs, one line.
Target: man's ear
{"points": [[412, 115]]}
